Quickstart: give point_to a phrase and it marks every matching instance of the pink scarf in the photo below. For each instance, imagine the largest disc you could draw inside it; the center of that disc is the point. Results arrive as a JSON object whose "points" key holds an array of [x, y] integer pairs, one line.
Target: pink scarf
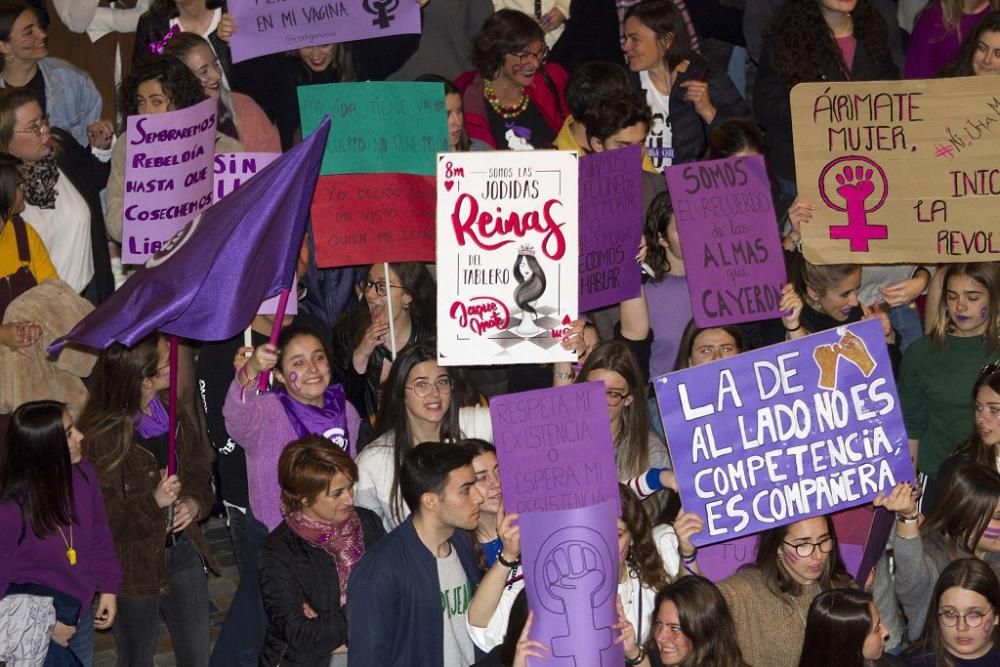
{"points": [[344, 542]]}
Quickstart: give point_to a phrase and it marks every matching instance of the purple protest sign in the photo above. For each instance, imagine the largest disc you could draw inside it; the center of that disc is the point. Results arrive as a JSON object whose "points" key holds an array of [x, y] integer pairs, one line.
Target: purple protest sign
{"points": [[554, 448], [571, 573], [168, 176], [610, 226], [785, 432], [272, 27], [233, 170], [729, 238]]}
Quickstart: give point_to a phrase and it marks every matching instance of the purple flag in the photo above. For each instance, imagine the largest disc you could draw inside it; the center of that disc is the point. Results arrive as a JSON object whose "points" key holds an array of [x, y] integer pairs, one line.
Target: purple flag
{"points": [[211, 277], [571, 576]]}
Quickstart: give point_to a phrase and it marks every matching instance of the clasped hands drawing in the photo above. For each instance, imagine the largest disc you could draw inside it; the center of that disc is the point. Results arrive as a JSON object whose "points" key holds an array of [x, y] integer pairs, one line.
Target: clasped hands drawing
{"points": [[849, 347]]}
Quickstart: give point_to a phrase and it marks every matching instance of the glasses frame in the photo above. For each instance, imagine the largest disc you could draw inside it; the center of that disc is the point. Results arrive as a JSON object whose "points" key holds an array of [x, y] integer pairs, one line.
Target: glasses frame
{"points": [[380, 288], [41, 126], [963, 618], [812, 547], [610, 397], [522, 56], [439, 385]]}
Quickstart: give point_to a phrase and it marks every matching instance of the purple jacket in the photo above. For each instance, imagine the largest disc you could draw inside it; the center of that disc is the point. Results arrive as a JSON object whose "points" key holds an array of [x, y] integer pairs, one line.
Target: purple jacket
{"points": [[44, 561], [259, 423]]}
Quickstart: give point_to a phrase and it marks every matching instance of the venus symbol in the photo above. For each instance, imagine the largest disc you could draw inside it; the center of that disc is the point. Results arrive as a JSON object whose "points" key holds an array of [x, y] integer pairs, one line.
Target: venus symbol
{"points": [[856, 180]]}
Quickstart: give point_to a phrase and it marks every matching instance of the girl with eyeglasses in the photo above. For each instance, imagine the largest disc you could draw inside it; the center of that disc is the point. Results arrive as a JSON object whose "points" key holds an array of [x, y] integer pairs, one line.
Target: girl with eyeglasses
{"points": [[962, 628], [363, 348], [770, 599], [964, 523], [844, 629], [418, 406]]}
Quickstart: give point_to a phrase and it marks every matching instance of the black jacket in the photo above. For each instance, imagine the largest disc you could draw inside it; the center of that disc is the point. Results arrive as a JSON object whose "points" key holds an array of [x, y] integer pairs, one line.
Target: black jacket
{"points": [[89, 176], [773, 111], [690, 133], [152, 28], [293, 572]]}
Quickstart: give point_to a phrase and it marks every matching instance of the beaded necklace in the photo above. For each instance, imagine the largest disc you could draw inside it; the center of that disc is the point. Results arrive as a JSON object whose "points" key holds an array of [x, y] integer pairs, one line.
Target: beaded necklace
{"points": [[505, 112]]}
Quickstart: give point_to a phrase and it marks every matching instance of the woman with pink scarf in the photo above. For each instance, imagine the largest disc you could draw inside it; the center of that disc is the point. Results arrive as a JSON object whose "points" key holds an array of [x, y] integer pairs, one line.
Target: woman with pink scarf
{"points": [[305, 562]]}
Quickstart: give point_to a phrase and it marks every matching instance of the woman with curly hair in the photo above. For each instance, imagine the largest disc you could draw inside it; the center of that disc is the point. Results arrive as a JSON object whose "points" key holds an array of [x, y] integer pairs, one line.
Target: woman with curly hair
{"points": [[815, 40], [980, 52], [939, 32]]}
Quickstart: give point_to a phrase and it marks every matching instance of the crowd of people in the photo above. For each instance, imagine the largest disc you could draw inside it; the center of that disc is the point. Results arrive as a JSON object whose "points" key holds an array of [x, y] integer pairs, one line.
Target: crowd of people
{"points": [[361, 491]]}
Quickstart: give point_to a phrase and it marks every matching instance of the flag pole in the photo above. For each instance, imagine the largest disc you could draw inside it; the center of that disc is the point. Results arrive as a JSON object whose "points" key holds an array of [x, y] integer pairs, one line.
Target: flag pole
{"points": [[172, 426], [392, 320], [279, 317]]}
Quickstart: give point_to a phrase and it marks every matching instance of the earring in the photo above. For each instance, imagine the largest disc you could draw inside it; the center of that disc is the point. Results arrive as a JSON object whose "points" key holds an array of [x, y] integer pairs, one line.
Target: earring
{"points": [[406, 306]]}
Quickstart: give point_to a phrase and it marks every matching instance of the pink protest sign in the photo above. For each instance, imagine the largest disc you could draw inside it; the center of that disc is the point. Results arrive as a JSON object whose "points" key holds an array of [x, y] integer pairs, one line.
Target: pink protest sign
{"points": [[233, 170], [729, 238], [272, 27], [168, 176]]}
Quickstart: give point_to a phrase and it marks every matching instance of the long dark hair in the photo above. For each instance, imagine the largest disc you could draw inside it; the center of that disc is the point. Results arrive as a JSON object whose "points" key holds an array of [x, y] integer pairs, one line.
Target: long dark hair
{"points": [[691, 332], [655, 225], [394, 417], [643, 559], [179, 83], [179, 46], [965, 507], [10, 11], [804, 47], [777, 578], [962, 64], [705, 620], [528, 289], [417, 282], [839, 622], [35, 468], [971, 574], [665, 19], [974, 449], [9, 178], [449, 89]]}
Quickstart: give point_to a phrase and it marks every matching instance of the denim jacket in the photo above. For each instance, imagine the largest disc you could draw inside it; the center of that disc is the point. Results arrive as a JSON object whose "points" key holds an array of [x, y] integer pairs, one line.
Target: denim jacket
{"points": [[71, 98]]}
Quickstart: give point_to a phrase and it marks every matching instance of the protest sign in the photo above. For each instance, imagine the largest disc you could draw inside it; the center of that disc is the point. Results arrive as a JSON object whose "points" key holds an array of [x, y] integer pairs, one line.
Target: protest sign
{"points": [[610, 226], [899, 171], [233, 170], [369, 218], [378, 126], [786, 432], [272, 27], [554, 448], [507, 249], [729, 238], [168, 176], [861, 536], [571, 581]]}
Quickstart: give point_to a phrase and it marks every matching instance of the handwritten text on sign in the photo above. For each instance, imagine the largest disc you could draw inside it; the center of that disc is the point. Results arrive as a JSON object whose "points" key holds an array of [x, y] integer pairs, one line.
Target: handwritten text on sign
{"points": [[267, 26], [786, 432], [610, 226], [168, 176], [899, 171], [378, 126], [554, 448], [729, 238]]}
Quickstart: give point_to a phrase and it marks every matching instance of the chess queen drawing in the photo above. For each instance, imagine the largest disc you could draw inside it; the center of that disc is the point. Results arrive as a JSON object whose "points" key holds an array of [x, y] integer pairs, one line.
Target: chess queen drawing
{"points": [[530, 286]]}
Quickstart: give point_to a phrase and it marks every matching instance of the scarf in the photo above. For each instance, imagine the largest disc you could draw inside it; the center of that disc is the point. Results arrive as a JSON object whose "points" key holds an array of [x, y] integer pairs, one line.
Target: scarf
{"points": [[40, 178], [330, 421], [155, 423], [344, 543]]}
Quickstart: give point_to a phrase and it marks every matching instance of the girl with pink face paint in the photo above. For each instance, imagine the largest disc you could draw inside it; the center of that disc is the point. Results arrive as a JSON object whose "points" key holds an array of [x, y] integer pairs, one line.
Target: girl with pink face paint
{"points": [[964, 523]]}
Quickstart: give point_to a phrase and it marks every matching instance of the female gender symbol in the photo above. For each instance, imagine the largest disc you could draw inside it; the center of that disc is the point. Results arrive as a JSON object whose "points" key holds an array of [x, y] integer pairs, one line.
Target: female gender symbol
{"points": [[855, 186]]}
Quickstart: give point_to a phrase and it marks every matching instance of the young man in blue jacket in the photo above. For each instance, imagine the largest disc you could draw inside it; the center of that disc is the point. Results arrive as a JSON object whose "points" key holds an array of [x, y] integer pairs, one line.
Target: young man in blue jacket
{"points": [[407, 599]]}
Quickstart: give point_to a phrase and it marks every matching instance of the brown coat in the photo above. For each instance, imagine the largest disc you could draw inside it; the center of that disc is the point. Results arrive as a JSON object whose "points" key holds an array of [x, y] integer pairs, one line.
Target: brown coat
{"points": [[138, 525]]}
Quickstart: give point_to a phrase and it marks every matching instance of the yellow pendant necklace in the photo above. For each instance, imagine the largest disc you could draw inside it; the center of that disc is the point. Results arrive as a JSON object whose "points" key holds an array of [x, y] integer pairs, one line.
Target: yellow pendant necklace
{"points": [[70, 551]]}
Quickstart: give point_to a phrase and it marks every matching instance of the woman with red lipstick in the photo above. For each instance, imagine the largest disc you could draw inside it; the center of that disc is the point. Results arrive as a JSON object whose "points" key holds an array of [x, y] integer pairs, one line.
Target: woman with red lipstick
{"points": [[962, 628], [964, 523], [769, 600], [940, 369], [686, 95], [514, 99]]}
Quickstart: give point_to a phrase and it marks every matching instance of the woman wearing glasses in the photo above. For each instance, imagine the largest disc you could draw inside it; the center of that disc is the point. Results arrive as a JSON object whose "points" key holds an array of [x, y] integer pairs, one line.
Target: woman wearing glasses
{"points": [[514, 99], [965, 522], [770, 599], [363, 345], [962, 626], [418, 406]]}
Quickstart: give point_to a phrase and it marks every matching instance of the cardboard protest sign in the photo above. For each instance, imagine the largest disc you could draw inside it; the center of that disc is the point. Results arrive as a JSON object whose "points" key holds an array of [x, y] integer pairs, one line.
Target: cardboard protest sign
{"points": [[168, 176], [554, 448], [786, 432], [378, 126], [369, 218], [507, 248], [729, 237], [610, 226], [862, 533], [571, 580], [899, 171], [233, 170], [272, 27]]}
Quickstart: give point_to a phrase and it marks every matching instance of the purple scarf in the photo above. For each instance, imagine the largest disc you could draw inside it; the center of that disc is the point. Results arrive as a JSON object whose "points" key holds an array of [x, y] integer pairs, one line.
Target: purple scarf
{"points": [[155, 423], [345, 542], [330, 421]]}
